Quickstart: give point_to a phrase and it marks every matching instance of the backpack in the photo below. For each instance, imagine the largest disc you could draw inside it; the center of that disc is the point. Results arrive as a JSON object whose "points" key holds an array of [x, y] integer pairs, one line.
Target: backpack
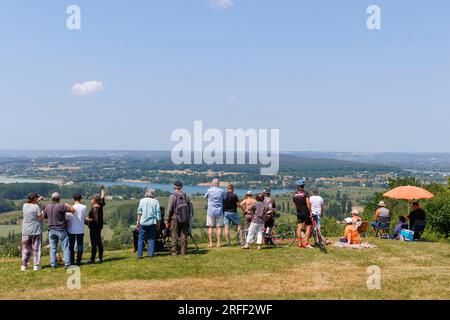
{"points": [[182, 208]]}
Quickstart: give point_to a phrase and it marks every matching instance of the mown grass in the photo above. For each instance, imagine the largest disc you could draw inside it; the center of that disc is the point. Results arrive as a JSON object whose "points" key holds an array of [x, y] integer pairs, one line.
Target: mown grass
{"points": [[408, 271]]}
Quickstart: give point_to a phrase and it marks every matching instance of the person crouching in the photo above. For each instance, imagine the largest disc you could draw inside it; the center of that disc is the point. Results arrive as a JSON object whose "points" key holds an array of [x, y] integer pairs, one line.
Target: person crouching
{"points": [[255, 232]]}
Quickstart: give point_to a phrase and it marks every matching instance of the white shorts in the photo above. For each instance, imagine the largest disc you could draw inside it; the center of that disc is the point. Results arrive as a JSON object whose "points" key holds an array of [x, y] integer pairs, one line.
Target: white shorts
{"points": [[214, 221]]}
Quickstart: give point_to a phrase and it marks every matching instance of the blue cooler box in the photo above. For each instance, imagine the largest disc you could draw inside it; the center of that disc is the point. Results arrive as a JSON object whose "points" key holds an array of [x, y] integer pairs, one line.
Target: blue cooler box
{"points": [[408, 235]]}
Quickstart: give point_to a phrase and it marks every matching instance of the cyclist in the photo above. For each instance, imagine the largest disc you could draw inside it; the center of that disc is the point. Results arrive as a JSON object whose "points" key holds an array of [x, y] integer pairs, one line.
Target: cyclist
{"points": [[303, 205], [270, 218]]}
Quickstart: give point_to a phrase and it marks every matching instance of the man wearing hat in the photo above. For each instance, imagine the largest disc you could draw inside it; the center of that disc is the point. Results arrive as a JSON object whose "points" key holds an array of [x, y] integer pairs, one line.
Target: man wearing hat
{"points": [[382, 211], [55, 213], [179, 211], [76, 229], [32, 229]]}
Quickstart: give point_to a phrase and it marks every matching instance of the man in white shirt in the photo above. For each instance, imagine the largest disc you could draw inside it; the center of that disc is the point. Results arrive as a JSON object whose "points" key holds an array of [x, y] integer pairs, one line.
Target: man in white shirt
{"points": [[76, 229], [317, 207]]}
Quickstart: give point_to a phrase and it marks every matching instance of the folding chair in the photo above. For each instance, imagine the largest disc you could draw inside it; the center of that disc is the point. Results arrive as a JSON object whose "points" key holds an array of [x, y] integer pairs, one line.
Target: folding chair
{"points": [[363, 227], [383, 224]]}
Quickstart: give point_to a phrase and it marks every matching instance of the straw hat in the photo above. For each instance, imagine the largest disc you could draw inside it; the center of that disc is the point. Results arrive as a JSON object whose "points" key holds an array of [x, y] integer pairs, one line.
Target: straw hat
{"points": [[381, 204]]}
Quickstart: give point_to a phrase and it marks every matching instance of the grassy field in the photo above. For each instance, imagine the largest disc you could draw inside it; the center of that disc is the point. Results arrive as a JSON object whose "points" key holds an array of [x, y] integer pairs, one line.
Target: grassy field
{"points": [[408, 271]]}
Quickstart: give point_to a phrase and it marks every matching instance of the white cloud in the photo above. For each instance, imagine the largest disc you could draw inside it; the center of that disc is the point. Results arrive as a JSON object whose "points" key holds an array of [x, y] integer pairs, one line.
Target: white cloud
{"points": [[222, 4], [87, 88]]}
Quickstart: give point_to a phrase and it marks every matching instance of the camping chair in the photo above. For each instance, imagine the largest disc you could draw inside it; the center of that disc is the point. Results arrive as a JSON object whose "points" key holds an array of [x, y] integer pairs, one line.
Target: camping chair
{"points": [[383, 224], [418, 228], [362, 228]]}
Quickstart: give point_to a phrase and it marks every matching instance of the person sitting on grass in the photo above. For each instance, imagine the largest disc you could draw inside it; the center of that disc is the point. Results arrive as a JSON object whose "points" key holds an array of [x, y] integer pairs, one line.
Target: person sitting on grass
{"points": [[351, 234], [261, 210], [401, 224]]}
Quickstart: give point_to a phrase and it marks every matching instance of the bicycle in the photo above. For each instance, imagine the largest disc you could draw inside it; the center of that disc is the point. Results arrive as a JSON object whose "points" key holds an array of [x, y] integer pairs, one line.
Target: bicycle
{"points": [[282, 235], [319, 240]]}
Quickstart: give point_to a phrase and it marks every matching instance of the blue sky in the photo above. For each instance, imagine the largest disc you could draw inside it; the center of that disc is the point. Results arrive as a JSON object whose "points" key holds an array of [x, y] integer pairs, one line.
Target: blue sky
{"points": [[309, 68]]}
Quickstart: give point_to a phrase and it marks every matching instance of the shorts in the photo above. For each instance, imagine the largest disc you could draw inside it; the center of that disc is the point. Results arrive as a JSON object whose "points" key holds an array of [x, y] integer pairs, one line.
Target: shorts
{"points": [[214, 221], [304, 218], [318, 220], [231, 218]]}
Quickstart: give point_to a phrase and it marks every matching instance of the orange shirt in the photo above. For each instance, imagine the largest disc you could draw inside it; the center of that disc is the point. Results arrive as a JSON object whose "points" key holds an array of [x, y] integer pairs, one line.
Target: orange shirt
{"points": [[352, 234]]}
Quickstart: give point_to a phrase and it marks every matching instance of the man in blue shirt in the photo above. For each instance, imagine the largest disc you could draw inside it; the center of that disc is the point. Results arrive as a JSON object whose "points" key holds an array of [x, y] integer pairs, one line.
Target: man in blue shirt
{"points": [[148, 222], [215, 197]]}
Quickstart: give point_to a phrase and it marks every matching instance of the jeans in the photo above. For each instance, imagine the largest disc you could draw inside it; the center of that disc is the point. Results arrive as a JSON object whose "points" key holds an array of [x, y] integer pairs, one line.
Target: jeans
{"points": [[79, 239], [55, 237], [96, 243], [147, 233]]}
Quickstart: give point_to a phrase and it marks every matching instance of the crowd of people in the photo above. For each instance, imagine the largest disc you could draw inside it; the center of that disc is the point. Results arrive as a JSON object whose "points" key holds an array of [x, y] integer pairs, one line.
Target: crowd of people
{"points": [[65, 229], [66, 222]]}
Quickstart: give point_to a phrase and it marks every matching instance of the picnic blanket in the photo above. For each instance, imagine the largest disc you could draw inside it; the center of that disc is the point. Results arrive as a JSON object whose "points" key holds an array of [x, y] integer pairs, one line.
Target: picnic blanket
{"points": [[364, 245]]}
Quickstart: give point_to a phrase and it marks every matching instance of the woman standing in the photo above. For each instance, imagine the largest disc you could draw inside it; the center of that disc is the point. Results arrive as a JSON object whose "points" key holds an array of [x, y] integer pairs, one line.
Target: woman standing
{"points": [[255, 232], [95, 223], [32, 231]]}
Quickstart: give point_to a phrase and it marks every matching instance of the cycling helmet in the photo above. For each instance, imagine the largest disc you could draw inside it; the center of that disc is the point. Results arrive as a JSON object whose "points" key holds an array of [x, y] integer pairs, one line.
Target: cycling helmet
{"points": [[300, 183]]}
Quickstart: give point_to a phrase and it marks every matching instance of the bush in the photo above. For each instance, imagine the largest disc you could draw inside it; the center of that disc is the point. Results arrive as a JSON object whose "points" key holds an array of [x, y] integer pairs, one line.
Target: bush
{"points": [[10, 250], [330, 228]]}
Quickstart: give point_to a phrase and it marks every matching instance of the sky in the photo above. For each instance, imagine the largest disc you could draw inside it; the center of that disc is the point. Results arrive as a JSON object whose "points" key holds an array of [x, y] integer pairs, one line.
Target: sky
{"points": [[138, 70]]}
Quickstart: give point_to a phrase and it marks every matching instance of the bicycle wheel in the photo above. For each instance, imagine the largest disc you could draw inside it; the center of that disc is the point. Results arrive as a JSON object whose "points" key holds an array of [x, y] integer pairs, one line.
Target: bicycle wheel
{"points": [[320, 242], [283, 235]]}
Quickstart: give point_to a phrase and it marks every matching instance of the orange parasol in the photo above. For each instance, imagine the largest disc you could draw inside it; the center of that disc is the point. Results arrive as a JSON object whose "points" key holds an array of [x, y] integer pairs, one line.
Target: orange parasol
{"points": [[409, 193]]}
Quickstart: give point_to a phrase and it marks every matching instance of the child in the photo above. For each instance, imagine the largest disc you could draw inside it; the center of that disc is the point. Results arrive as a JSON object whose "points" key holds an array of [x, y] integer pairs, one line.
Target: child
{"points": [[260, 211], [351, 234], [401, 224]]}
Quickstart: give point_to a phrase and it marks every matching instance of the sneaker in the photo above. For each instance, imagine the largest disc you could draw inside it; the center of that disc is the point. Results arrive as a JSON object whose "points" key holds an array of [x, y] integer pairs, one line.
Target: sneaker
{"points": [[246, 247], [308, 246], [99, 260], [37, 268], [23, 268], [90, 261]]}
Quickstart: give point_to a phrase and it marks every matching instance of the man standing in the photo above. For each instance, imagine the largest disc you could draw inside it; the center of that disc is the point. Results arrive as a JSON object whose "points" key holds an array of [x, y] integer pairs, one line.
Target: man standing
{"points": [[303, 205], [178, 219], [55, 213], [148, 222], [76, 229], [418, 214], [317, 208], [215, 197], [230, 205], [32, 227]]}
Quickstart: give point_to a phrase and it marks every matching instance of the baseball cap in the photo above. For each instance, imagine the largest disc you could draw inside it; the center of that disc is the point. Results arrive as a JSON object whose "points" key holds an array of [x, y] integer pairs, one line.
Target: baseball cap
{"points": [[178, 184], [56, 195]]}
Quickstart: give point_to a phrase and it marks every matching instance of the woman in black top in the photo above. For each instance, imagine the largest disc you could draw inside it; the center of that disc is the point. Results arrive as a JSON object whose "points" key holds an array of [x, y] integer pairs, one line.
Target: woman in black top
{"points": [[95, 223]]}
